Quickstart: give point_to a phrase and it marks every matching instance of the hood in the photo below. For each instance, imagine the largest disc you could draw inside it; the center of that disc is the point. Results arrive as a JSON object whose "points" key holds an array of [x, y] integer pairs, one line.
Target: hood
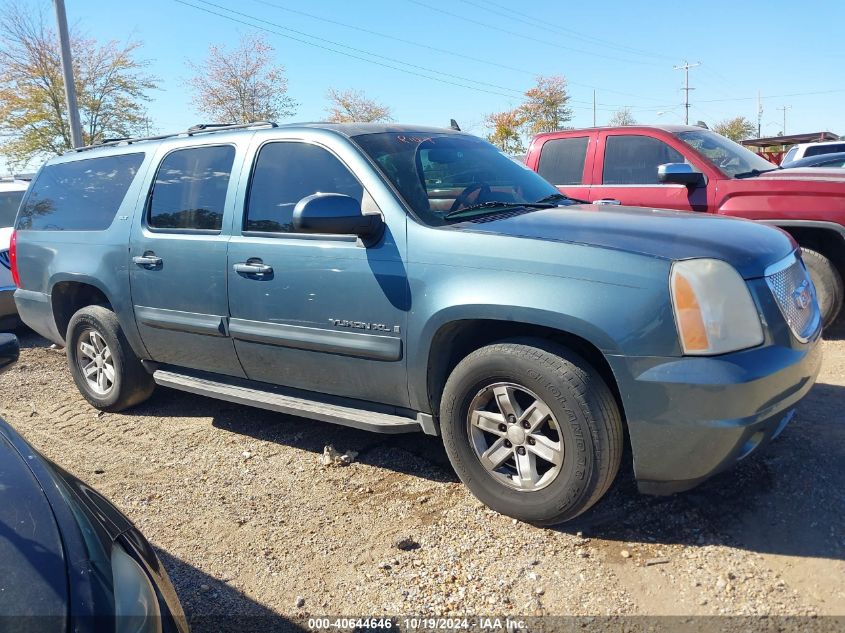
{"points": [[674, 235], [833, 174], [34, 579], [5, 237]]}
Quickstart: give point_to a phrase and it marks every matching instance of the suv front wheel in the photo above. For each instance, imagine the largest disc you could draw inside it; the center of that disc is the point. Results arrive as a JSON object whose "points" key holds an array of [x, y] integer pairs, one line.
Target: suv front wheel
{"points": [[532, 430], [104, 367]]}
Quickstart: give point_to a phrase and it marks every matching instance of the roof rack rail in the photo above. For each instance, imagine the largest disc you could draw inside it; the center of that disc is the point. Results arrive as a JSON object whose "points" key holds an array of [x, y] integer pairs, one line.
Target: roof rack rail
{"points": [[201, 128]]}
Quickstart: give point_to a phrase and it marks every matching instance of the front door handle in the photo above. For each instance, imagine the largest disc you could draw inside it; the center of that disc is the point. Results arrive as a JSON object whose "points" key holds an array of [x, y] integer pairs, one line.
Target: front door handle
{"points": [[607, 201], [148, 260], [253, 267]]}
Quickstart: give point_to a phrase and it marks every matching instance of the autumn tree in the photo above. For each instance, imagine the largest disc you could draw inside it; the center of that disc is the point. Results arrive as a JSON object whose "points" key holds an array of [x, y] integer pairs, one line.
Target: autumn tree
{"points": [[546, 107], [737, 129], [110, 81], [346, 106], [622, 117], [504, 131], [241, 85]]}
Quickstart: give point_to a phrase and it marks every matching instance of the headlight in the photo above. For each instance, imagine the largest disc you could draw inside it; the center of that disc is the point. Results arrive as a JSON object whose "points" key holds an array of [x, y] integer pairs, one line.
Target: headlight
{"points": [[713, 308], [136, 607]]}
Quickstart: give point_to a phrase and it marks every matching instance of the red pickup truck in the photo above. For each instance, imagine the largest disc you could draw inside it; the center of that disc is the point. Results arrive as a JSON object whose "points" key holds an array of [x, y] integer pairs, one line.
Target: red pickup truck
{"points": [[694, 169]]}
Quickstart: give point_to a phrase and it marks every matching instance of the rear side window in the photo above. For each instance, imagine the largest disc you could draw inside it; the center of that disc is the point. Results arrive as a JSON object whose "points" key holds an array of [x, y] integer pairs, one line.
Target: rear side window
{"points": [[189, 191], [827, 148], [633, 159], [9, 203], [562, 160], [80, 195], [284, 174]]}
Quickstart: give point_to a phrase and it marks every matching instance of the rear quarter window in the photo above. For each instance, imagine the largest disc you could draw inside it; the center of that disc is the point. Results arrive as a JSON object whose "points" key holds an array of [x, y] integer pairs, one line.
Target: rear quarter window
{"points": [[79, 195], [562, 160]]}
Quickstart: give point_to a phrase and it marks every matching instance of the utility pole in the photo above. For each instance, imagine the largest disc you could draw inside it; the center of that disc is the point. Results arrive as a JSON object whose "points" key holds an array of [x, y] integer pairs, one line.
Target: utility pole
{"points": [[685, 67], [759, 116], [67, 72], [784, 109], [594, 107]]}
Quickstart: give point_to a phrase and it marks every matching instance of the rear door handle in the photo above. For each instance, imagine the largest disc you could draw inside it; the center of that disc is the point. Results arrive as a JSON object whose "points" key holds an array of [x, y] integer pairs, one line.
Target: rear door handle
{"points": [[148, 260], [253, 267], [607, 201]]}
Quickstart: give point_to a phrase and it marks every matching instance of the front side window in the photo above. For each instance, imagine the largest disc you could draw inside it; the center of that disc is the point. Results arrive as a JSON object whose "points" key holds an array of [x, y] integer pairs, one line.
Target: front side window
{"points": [[633, 159], [562, 160], [438, 174], [189, 192], [730, 157], [79, 195], [9, 203], [285, 173]]}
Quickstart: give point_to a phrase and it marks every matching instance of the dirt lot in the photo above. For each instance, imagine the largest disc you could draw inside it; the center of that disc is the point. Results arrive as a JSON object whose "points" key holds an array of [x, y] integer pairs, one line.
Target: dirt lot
{"points": [[249, 523]]}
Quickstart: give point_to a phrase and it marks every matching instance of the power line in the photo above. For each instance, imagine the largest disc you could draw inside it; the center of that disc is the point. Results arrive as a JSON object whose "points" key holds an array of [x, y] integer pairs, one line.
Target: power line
{"points": [[520, 16], [364, 52], [522, 36], [442, 50]]}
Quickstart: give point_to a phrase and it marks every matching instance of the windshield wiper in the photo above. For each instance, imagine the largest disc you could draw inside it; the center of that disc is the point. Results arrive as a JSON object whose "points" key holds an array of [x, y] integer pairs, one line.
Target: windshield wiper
{"points": [[755, 172], [493, 205], [561, 196]]}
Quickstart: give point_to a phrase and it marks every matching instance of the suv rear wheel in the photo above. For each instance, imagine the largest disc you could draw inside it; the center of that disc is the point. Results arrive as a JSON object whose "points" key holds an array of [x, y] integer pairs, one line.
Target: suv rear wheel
{"points": [[532, 430], [103, 365], [828, 283]]}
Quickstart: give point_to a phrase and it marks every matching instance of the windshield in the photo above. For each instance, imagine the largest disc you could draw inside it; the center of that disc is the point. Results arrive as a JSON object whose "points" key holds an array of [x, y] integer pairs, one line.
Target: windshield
{"points": [[9, 203], [732, 158], [440, 174]]}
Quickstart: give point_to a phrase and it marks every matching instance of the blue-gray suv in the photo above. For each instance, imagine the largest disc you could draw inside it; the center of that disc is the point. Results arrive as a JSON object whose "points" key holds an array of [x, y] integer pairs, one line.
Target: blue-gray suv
{"points": [[397, 279]]}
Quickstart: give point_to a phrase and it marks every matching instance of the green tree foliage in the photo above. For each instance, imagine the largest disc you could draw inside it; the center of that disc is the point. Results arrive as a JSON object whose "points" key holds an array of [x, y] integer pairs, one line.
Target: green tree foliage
{"points": [[546, 107], [737, 129], [622, 117], [242, 85], [111, 88], [504, 131]]}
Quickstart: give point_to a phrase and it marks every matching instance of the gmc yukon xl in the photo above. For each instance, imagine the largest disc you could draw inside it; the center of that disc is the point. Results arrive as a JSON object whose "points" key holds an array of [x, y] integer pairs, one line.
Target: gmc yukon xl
{"points": [[400, 279], [694, 169]]}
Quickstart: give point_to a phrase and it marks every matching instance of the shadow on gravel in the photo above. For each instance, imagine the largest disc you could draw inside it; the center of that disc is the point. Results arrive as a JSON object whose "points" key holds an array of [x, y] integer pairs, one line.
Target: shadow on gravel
{"points": [[212, 606], [786, 499]]}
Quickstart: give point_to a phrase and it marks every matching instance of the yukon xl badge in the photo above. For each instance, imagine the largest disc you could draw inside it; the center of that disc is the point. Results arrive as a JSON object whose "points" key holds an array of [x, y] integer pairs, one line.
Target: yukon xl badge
{"points": [[363, 325]]}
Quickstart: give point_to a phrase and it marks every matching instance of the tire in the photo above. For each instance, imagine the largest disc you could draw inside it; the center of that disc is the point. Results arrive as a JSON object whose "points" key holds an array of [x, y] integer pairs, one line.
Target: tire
{"points": [[828, 283], [582, 414], [95, 331]]}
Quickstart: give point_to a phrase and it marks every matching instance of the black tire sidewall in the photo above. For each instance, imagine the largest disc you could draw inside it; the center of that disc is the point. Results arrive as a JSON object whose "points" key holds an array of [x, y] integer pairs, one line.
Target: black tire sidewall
{"points": [[827, 282], [574, 484], [88, 318]]}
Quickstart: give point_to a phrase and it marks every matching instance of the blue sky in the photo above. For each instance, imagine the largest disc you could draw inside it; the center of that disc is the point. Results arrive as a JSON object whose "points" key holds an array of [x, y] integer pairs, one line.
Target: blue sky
{"points": [[625, 50]]}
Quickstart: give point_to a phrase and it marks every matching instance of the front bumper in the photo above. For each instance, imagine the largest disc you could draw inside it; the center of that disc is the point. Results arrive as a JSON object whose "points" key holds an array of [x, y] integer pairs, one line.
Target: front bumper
{"points": [[692, 417]]}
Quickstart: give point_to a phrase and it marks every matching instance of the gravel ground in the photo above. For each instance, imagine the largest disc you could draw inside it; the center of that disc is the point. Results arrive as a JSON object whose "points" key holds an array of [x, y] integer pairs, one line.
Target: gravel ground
{"points": [[250, 523]]}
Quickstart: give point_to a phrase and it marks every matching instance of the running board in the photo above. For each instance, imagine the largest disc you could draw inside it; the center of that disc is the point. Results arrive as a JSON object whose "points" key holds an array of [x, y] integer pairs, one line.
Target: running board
{"points": [[377, 421]]}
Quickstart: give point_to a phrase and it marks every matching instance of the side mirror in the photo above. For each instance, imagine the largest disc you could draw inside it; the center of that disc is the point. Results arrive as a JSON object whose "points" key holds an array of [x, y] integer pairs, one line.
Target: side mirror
{"points": [[9, 350], [680, 174], [334, 214]]}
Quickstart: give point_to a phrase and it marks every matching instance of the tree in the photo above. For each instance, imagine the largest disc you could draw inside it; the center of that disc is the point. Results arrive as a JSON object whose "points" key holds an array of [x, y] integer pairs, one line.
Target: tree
{"points": [[351, 105], [622, 117], [110, 84], [737, 129], [546, 106], [243, 85], [504, 131]]}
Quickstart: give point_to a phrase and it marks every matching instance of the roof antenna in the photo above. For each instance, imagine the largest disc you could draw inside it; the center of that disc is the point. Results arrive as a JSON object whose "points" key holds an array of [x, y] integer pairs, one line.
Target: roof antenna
{"points": [[454, 125]]}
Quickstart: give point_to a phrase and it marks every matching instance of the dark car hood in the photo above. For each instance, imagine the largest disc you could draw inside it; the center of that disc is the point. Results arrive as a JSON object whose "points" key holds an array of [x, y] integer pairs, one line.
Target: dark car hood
{"points": [[672, 235], [33, 581]]}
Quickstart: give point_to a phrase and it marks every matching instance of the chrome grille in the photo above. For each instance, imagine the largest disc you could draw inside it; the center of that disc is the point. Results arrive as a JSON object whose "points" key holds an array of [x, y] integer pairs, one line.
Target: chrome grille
{"points": [[796, 297], [4, 260]]}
